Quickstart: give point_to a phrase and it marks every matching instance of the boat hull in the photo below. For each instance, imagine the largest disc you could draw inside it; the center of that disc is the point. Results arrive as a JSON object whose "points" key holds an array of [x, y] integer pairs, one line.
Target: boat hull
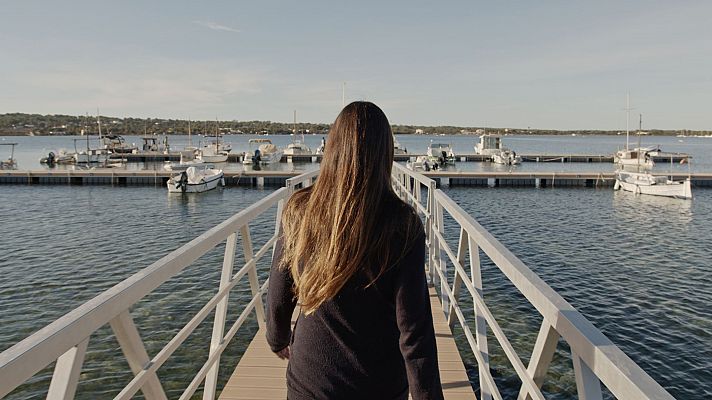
{"points": [[678, 190], [204, 185]]}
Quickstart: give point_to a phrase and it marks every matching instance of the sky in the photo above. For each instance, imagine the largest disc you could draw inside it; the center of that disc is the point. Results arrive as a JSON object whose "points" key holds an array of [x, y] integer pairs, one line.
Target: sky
{"points": [[518, 64]]}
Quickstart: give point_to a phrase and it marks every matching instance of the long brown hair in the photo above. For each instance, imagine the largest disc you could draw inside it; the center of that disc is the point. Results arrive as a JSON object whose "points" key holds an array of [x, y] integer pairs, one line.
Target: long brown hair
{"points": [[346, 221]]}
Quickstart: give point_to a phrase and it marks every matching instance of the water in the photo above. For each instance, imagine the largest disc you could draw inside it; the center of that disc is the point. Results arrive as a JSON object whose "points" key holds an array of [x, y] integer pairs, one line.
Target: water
{"points": [[31, 149], [637, 267]]}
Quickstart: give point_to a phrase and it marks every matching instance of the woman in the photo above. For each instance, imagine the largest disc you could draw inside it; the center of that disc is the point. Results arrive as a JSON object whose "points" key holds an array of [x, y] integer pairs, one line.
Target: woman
{"points": [[352, 255]]}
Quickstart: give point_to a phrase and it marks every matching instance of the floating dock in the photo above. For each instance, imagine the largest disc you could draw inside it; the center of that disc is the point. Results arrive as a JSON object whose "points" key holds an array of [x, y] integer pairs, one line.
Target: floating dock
{"points": [[118, 177], [566, 158]]}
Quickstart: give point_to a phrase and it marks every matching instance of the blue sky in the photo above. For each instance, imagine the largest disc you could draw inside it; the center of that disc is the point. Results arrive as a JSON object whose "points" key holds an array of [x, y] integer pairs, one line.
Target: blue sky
{"points": [[539, 64]]}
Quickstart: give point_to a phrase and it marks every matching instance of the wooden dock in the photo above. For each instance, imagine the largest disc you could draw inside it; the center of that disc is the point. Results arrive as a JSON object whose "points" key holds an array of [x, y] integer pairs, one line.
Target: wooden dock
{"points": [[261, 375]]}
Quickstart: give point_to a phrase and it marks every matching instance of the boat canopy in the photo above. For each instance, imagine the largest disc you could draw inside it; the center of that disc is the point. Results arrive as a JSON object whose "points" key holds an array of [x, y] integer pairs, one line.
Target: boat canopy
{"points": [[260, 141]]}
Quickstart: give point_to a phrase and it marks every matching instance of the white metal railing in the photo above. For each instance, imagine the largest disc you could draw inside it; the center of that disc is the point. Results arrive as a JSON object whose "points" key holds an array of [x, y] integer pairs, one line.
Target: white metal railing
{"points": [[595, 358], [65, 340]]}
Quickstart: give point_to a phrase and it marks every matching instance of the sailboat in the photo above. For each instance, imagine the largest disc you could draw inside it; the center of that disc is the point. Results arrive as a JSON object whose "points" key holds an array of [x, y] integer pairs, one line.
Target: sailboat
{"points": [[297, 147], [646, 183], [637, 157], [89, 155], [212, 152]]}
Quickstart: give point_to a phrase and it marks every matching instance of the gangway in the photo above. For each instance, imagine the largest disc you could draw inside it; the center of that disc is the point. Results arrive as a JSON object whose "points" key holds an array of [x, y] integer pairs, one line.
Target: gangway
{"points": [[455, 277]]}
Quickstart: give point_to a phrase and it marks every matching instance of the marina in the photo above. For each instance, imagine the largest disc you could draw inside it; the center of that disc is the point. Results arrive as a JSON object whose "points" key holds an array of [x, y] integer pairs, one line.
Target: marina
{"points": [[599, 367]]}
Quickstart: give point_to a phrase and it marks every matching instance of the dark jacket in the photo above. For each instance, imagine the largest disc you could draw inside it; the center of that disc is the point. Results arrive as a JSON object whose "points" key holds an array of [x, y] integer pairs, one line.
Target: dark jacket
{"points": [[374, 342]]}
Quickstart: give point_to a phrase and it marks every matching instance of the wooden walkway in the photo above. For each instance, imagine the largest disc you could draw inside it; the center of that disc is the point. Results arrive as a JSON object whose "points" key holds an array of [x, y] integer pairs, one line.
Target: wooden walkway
{"points": [[261, 375]]}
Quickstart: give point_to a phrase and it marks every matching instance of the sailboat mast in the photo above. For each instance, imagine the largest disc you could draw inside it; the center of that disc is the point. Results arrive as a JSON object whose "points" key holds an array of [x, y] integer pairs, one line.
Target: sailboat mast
{"points": [[627, 119], [190, 140], [640, 128], [98, 121]]}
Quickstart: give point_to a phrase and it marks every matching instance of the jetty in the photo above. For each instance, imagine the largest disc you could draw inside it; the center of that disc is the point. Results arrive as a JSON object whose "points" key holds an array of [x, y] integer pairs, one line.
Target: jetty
{"points": [[153, 156], [455, 246], [121, 177]]}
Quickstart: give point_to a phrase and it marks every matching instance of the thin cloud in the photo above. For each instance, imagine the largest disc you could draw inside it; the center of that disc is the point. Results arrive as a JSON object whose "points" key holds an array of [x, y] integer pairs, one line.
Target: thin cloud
{"points": [[216, 26]]}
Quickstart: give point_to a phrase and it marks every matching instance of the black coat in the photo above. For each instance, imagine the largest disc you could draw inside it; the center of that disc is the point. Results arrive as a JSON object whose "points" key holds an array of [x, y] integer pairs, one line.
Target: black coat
{"points": [[374, 342]]}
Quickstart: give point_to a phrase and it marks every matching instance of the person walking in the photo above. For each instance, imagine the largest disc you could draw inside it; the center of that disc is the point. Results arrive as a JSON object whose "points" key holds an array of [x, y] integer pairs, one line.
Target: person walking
{"points": [[351, 256]]}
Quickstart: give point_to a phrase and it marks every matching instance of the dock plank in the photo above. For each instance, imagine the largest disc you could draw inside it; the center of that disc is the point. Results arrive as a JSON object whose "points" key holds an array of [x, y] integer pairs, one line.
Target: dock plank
{"points": [[261, 375]]}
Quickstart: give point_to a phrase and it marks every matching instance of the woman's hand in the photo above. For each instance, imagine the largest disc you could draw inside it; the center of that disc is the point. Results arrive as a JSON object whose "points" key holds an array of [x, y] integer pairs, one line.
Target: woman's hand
{"points": [[283, 354]]}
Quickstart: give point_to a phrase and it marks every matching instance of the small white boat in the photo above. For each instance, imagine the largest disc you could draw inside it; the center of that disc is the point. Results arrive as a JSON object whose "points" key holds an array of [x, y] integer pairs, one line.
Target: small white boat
{"points": [[10, 163], [506, 157], [322, 146], [187, 160], [488, 145], [646, 183], [266, 153], [422, 163], [195, 180], [210, 155], [297, 147], [91, 156], [440, 153]]}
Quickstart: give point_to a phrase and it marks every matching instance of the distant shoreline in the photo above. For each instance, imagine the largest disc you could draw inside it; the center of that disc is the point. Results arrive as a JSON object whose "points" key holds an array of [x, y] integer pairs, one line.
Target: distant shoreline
{"points": [[20, 124]]}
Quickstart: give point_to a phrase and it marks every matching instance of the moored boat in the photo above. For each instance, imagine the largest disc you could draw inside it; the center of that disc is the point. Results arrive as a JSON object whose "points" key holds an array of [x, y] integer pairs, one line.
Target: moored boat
{"points": [[440, 153], [656, 185], [265, 153], [195, 180]]}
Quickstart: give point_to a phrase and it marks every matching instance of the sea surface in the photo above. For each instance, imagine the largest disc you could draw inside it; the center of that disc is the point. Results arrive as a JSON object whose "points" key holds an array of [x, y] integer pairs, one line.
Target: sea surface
{"points": [[637, 267], [30, 149]]}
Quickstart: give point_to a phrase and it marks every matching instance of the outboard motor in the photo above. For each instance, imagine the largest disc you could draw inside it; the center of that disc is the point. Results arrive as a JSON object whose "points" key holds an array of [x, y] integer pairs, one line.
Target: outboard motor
{"points": [[257, 157], [183, 181], [50, 158]]}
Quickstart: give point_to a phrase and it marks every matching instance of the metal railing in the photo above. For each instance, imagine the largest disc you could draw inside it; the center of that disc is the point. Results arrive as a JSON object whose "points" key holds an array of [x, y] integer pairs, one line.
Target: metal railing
{"points": [[595, 358], [65, 340]]}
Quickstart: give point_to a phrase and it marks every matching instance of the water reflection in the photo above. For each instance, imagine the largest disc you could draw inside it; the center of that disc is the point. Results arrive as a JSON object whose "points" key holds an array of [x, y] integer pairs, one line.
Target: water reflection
{"points": [[650, 210]]}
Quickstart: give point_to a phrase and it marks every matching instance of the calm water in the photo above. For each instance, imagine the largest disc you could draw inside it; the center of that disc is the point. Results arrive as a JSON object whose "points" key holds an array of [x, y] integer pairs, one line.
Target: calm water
{"points": [[31, 149], [637, 267]]}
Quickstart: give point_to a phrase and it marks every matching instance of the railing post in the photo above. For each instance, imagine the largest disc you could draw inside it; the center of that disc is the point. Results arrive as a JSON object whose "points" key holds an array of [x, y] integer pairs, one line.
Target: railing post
{"points": [[252, 274], [441, 261], [135, 353], [66, 372], [542, 354], [480, 323], [211, 378], [457, 280], [587, 383], [430, 236]]}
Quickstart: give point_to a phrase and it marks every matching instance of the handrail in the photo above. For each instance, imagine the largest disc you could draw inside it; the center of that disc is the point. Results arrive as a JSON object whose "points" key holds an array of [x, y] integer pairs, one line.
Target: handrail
{"points": [[65, 340], [595, 358]]}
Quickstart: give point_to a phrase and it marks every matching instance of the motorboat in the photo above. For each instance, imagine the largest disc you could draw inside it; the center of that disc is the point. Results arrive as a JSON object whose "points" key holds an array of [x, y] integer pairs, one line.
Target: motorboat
{"points": [[196, 180], [117, 144], [422, 163], [489, 145], [265, 153], [187, 160], [322, 147], [655, 185], [90, 155], [210, 155], [60, 157], [506, 157], [440, 153]]}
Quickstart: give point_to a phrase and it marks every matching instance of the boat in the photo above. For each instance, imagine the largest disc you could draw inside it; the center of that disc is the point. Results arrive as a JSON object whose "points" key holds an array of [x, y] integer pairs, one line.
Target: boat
{"points": [[187, 159], [423, 163], [60, 157], [322, 147], [440, 153], [195, 180], [639, 157], [265, 153], [209, 155], [297, 147], [656, 185], [491, 145], [488, 145], [212, 152], [117, 144], [10, 163], [506, 157], [90, 155]]}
